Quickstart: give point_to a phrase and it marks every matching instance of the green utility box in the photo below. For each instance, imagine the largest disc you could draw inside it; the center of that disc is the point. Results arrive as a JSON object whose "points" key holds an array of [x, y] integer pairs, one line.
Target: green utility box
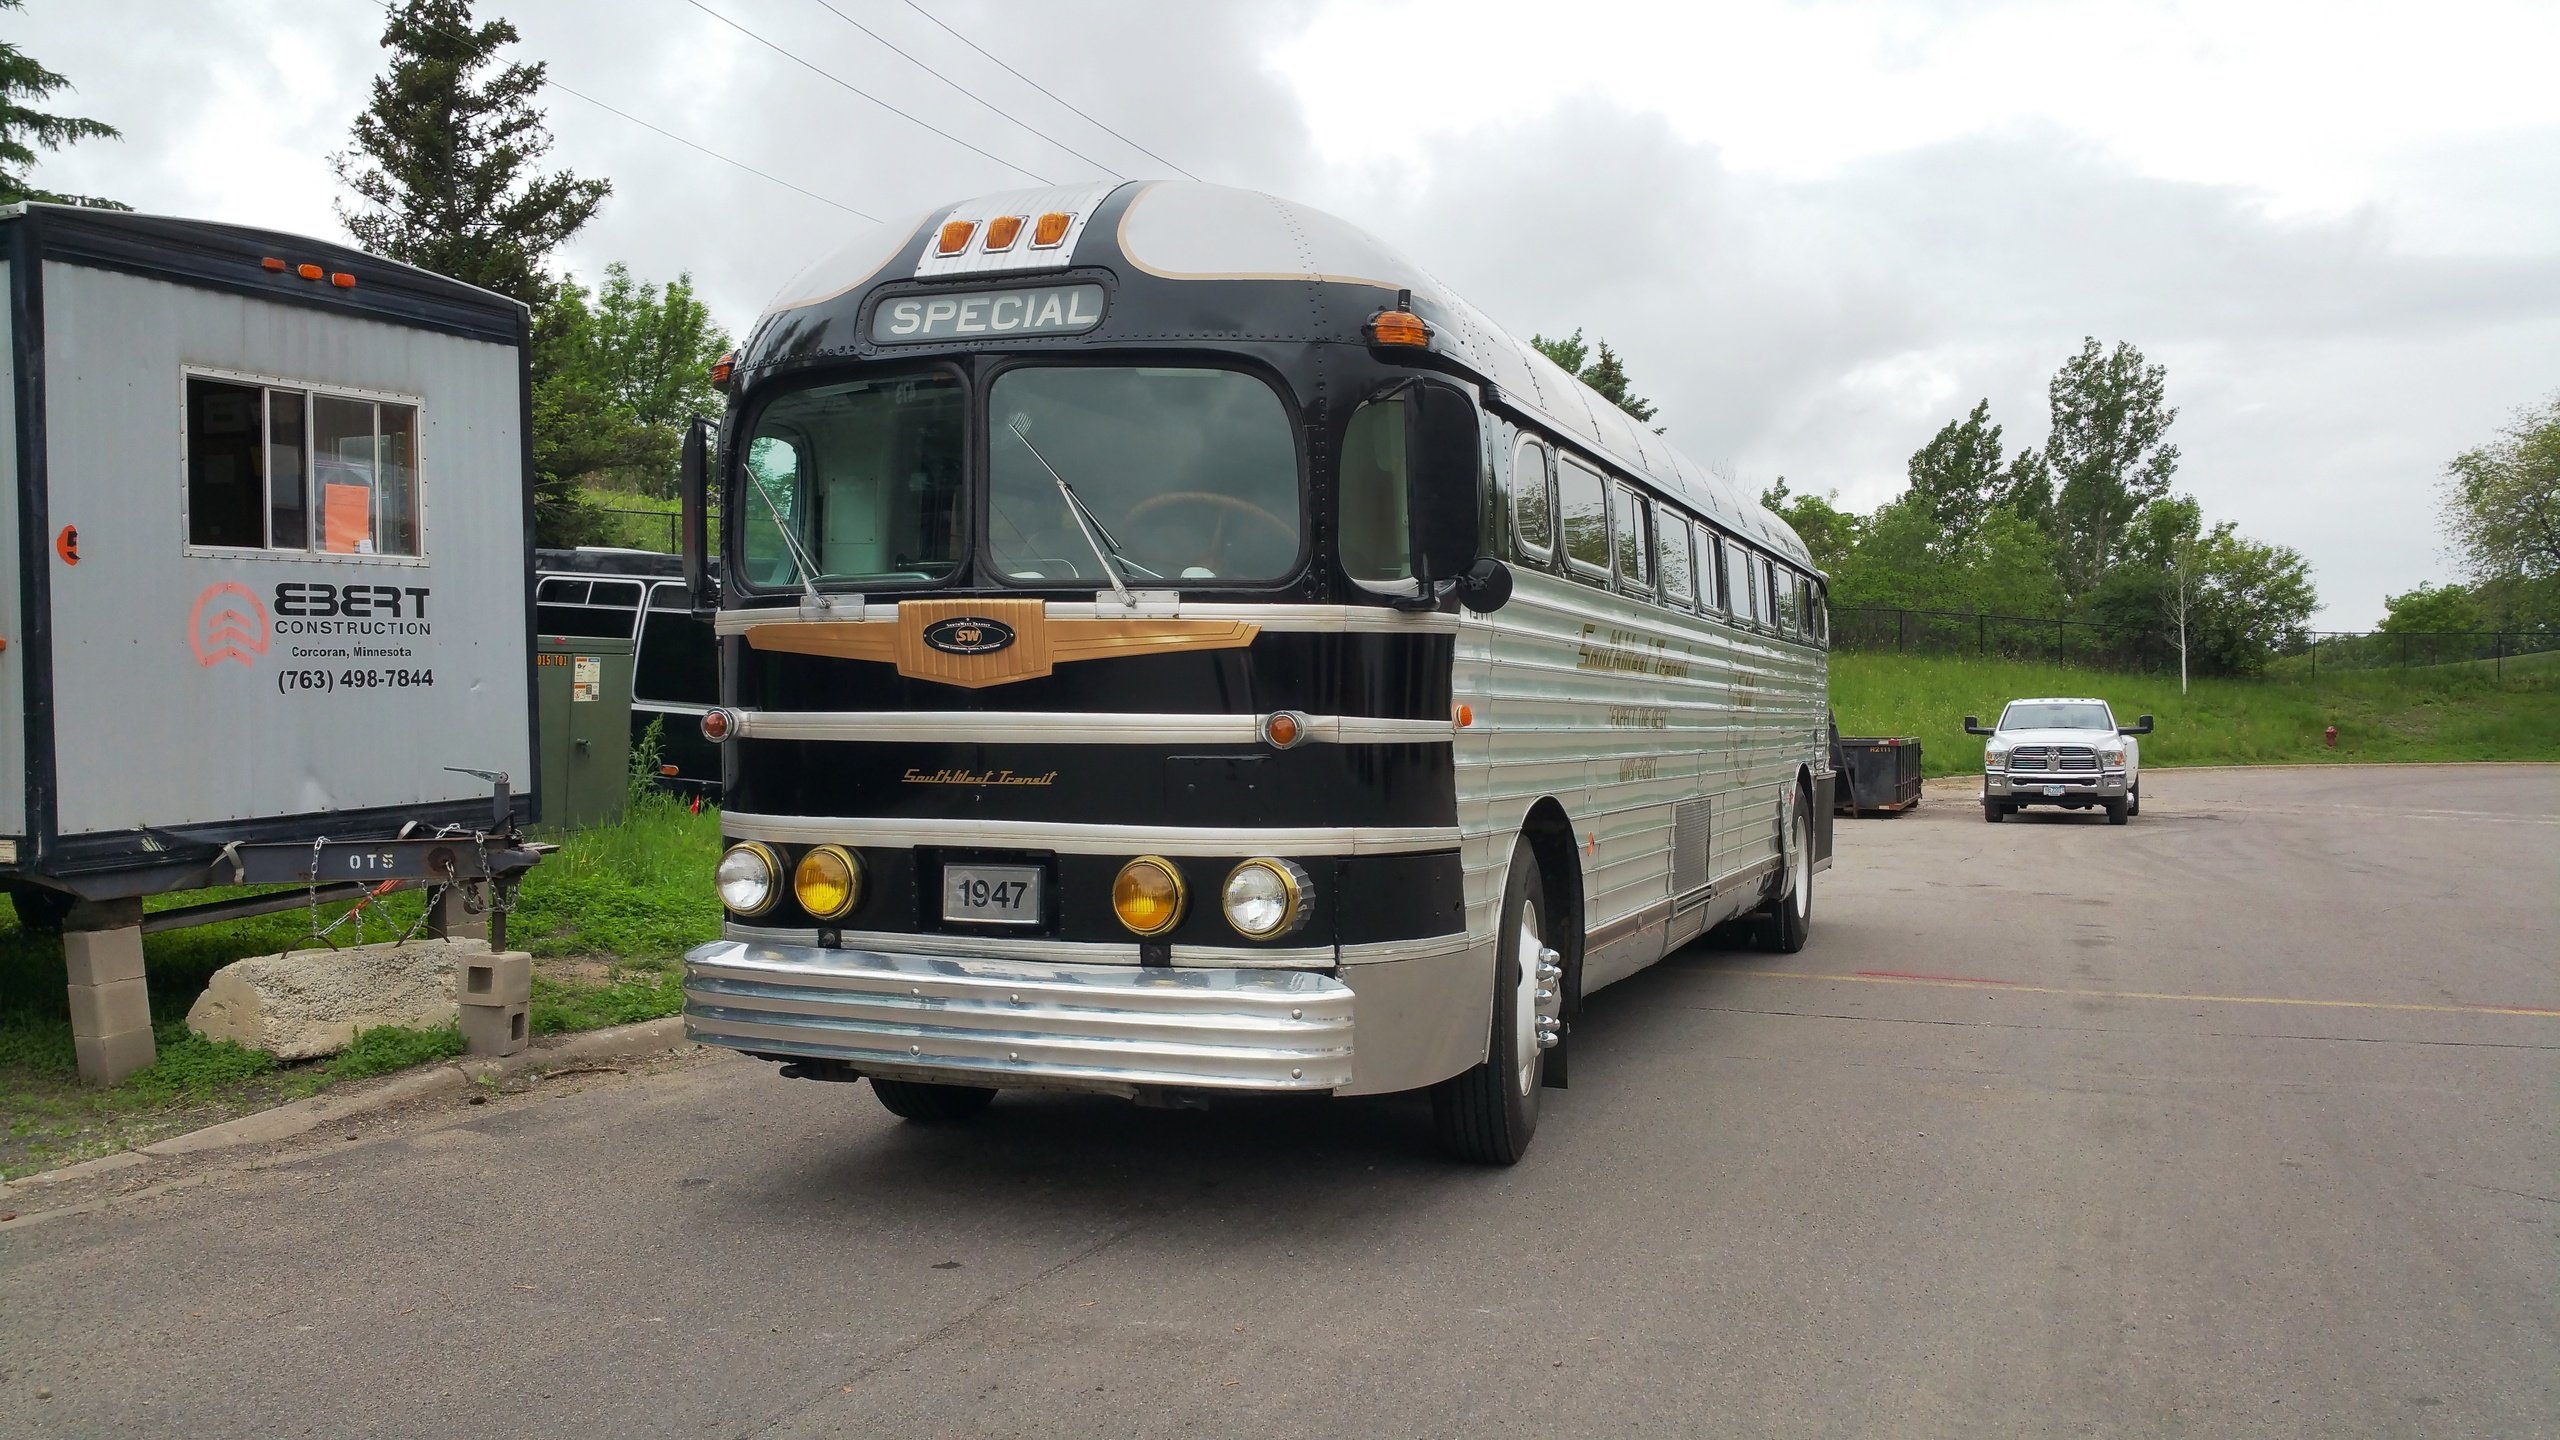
{"points": [[583, 689]]}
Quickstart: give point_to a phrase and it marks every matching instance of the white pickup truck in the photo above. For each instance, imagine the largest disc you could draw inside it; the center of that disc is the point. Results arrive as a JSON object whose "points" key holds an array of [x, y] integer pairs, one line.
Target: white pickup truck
{"points": [[2061, 751]]}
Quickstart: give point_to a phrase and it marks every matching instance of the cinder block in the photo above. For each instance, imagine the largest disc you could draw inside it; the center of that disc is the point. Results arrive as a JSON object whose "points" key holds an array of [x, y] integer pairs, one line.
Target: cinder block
{"points": [[102, 957], [496, 1029], [110, 1009], [502, 979], [106, 1059]]}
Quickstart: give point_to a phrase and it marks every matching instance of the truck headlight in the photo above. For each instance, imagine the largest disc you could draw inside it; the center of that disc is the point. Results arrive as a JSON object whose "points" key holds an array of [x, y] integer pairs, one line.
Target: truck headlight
{"points": [[1148, 895], [1995, 757], [2113, 759], [745, 879], [1265, 898]]}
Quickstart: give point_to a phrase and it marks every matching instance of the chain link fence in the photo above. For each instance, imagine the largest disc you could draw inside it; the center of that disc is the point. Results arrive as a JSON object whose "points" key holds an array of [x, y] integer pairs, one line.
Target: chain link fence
{"points": [[2094, 645]]}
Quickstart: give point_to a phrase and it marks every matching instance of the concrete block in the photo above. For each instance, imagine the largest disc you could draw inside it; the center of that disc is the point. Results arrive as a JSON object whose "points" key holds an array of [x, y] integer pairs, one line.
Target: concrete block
{"points": [[107, 1059], [501, 979], [308, 1003], [496, 1029], [103, 957], [110, 1009]]}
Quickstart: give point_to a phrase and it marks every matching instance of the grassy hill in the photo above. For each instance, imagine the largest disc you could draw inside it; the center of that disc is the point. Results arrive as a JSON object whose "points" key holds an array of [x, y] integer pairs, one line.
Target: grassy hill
{"points": [[2447, 712]]}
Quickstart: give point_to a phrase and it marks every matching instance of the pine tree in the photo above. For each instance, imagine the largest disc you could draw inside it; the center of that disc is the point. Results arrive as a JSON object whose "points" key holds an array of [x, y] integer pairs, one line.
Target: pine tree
{"points": [[444, 165], [1606, 374], [24, 130]]}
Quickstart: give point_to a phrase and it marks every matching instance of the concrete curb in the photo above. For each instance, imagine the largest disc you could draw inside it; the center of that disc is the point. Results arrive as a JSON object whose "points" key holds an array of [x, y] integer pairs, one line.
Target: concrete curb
{"points": [[297, 1116]]}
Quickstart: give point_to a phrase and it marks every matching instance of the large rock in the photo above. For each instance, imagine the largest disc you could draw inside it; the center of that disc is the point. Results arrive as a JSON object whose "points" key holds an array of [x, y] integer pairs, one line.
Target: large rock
{"points": [[304, 1004]]}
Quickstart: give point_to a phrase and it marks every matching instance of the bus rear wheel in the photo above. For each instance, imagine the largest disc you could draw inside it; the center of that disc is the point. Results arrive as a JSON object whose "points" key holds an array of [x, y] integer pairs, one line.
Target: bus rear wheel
{"points": [[1488, 1113], [929, 1104], [1789, 919]]}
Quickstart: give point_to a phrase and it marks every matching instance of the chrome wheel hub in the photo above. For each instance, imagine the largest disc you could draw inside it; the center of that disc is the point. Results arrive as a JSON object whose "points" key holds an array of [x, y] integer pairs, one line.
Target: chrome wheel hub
{"points": [[1537, 1009]]}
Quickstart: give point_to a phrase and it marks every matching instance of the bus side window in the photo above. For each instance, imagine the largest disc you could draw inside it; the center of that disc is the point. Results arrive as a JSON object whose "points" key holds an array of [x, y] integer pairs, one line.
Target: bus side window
{"points": [[1533, 514], [1377, 551], [1671, 557], [1634, 547], [1783, 591], [679, 660], [1582, 508], [1717, 583]]}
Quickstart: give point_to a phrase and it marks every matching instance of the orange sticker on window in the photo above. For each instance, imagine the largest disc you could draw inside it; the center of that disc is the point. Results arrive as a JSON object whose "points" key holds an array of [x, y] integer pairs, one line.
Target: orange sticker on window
{"points": [[67, 544], [346, 515]]}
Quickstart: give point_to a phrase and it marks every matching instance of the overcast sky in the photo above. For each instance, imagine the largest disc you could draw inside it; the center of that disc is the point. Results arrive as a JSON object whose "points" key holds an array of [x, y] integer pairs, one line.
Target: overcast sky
{"points": [[1815, 231]]}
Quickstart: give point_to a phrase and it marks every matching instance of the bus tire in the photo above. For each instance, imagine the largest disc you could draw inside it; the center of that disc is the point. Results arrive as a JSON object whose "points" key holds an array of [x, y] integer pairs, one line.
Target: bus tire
{"points": [[1487, 1113], [1790, 919], [928, 1104]]}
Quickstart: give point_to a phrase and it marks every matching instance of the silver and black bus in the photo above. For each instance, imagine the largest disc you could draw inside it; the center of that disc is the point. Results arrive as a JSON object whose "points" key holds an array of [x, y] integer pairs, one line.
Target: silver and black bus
{"points": [[1172, 646]]}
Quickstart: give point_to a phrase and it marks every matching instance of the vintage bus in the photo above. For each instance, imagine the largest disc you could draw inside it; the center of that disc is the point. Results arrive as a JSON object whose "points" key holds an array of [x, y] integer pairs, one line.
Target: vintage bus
{"points": [[1171, 646]]}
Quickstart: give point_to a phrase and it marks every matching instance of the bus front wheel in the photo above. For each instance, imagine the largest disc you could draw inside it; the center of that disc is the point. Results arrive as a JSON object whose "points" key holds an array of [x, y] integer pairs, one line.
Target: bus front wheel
{"points": [[928, 1104], [1488, 1113]]}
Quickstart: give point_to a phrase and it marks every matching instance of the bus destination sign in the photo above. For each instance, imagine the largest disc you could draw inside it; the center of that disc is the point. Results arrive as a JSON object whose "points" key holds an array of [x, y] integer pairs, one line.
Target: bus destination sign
{"points": [[1049, 310]]}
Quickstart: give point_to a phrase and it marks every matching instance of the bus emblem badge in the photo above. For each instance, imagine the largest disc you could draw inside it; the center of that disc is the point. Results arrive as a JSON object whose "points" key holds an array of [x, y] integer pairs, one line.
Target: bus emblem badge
{"points": [[968, 635]]}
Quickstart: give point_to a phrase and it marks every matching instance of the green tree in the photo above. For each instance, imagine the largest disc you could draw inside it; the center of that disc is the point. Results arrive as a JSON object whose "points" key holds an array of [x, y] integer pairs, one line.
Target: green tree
{"points": [[2431, 610], [2244, 601], [652, 348], [2108, 453], [1603, 372], [1957, 475], [2026, 487], [1829, 532], [444, 164], [24, 129], [2502, 509]]}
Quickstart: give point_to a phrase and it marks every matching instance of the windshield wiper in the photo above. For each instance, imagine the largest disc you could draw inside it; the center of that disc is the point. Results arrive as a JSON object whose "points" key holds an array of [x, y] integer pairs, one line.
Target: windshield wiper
{"points": [[801, 564], [1105, 548]]}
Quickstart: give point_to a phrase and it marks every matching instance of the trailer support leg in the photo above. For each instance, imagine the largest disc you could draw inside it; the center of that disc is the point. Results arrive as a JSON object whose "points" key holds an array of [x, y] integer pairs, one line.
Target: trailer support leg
{"points": [[110, 1001], [449, 919]]}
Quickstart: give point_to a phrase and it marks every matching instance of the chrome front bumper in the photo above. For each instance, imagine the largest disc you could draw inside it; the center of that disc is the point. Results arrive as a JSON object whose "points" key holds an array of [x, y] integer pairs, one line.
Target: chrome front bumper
{"points": [[1114, 1028], [2031, 787]]}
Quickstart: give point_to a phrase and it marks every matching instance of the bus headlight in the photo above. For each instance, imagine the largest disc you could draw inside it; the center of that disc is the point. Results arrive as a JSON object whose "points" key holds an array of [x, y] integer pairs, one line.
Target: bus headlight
{"points": [[1265, 898], [1148, 896], [746, 879], [827, 882]]}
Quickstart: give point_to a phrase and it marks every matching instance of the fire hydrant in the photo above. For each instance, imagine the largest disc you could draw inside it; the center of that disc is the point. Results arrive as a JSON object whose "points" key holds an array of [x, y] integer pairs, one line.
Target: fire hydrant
{"points": [[2330, 736]]}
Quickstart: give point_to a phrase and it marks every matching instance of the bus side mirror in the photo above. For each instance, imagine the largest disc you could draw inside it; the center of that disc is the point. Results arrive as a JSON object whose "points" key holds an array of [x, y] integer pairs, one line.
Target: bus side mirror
{"points": [[1973, 726], [1444, 500], [693, 485], [2138, 727]]}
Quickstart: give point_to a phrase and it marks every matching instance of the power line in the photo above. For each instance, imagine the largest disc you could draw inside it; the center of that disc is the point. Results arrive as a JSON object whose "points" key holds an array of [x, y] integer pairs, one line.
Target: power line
{"points": [[966, 91], [865, 94], [1052, 94], [548, 82], [714, 154]]}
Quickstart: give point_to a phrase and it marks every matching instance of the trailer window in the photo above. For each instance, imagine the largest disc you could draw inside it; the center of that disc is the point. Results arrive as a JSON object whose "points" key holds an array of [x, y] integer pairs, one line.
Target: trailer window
{"points": [[679, 661], [1582, 504], [259, 457]]}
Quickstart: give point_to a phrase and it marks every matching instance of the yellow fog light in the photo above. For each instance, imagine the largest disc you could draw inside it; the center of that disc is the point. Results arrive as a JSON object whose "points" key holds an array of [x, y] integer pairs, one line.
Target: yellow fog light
{"points": [[746, 879], [1265, 898], [828, 882], [1149, 895]]}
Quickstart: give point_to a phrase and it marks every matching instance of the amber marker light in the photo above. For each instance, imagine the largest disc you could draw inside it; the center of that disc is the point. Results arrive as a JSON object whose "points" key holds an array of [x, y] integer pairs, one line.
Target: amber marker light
{"points": [[1050, 230], [1148, 896], [1283, 729], [723, 368], [716, 725], [1002, 231], [1398, 327], [272, 263], [343, 280], [955, 236], [827, 882], [309, 272]]}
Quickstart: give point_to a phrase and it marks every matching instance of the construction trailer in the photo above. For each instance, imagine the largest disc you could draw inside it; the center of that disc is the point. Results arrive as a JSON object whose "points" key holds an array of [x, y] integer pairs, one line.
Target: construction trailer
{"points": [[273, 554]]}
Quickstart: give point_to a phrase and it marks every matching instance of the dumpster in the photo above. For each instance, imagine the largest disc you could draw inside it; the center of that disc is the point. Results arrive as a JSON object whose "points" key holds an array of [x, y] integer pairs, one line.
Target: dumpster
{"points": [[584, 691], [1879, 775]]}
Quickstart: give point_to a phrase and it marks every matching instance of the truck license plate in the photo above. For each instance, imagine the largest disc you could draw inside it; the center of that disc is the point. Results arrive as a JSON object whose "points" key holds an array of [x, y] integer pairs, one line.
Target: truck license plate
{"points": [[2053, 789], [991, 894]]}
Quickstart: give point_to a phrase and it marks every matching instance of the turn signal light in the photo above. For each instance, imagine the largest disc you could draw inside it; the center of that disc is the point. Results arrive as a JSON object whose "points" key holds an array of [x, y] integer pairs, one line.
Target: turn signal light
{"points": [[1050, 230], [1398, 327], [716, 725], [827, 882], [955, 236], [1282, 730], [1148, 896], [1002, 231], [723, 368]]}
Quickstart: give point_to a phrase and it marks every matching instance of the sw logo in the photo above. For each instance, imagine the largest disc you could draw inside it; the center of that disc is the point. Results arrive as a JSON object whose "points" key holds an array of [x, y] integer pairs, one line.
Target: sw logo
{"points": [[227, 623], [968, 635]]}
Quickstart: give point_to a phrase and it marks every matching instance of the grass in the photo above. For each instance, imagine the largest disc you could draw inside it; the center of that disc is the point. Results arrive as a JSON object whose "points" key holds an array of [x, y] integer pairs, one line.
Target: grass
{"points": [[2445, 712], [640, 532], [607, 919]]}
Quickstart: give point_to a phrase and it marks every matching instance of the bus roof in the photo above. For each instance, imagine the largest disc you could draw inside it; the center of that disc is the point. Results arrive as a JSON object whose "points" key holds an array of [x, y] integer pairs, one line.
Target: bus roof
{"points": [[1320, 277]]}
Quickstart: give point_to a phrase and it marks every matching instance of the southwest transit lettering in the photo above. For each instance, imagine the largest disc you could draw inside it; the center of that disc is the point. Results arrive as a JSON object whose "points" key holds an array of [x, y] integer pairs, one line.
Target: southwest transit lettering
{"points": [[1630, 652]]}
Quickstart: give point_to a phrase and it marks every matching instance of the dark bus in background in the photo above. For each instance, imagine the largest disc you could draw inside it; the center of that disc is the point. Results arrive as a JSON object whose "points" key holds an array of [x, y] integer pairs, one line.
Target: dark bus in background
{"points": [[639, 595]]}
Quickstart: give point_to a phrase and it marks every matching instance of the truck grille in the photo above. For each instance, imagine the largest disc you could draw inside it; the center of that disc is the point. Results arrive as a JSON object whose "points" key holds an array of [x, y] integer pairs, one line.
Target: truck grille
{"points": [[2053, 760]]}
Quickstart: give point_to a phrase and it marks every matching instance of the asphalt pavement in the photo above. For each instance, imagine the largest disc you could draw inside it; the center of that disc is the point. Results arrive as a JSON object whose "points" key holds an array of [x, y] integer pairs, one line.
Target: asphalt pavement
{"points": [[2239, 1119]]}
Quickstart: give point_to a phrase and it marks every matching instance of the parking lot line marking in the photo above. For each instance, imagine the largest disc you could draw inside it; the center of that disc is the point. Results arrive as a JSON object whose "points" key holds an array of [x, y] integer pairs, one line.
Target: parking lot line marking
{"points": [[1880, 977], [1914, 975]]}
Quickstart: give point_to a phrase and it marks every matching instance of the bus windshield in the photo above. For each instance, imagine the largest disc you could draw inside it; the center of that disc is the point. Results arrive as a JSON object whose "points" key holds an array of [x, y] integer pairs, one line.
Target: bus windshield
{"points": [[868, 476], [1186, 476]]}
